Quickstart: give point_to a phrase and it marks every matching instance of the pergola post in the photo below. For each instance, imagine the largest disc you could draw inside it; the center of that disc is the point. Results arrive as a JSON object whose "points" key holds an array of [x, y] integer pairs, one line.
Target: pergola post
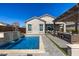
{"points": [[54, 27], [76, 22], [76, 27], [64, 27]]}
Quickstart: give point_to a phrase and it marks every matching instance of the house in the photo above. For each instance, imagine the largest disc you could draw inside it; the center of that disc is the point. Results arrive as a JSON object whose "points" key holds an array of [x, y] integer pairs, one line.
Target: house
{"points": [[39, 25], [49, 21], [35, 25]]}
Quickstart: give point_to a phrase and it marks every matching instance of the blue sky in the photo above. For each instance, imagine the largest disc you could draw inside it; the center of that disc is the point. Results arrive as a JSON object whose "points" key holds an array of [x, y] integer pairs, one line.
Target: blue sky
{"points": [[20, 12]]}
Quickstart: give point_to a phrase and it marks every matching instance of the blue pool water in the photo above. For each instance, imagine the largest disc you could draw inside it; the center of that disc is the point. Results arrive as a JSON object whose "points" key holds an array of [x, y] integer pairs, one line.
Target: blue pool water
{"points": [[30, 42]]}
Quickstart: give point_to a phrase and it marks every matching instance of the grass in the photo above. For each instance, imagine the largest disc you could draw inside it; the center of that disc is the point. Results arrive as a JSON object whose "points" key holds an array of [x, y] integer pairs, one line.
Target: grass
{"points": [[58, 46]]}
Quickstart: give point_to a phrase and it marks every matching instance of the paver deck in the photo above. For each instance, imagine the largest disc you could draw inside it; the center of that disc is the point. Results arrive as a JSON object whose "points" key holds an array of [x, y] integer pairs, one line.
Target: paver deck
{"points": [[51, 48], [58, 41]]}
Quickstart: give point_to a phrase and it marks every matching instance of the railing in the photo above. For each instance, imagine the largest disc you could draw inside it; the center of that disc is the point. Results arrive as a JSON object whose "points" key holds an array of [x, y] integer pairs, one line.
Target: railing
{"points": [[71, 38]]}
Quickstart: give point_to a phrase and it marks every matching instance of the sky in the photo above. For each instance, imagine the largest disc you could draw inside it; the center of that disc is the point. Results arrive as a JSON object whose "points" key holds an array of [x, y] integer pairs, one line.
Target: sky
{"points": [[20, 12]]}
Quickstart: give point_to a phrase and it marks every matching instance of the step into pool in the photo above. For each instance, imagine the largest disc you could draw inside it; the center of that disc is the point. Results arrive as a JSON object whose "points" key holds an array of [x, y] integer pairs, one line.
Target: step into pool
{"points": [[29, 42]]}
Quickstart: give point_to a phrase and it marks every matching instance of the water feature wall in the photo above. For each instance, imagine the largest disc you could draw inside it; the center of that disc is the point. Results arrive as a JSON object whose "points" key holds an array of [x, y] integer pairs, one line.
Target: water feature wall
{"points": [[9, 36]]}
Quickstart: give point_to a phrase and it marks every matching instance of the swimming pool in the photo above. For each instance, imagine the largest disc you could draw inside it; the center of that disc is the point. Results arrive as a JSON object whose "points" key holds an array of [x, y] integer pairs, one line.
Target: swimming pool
{"points": [[29, 42]]}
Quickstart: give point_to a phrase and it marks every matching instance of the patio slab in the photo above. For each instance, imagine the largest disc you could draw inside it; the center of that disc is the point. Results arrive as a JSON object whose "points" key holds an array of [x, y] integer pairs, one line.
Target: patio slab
{"points": [[58, 41], [51, 48]]}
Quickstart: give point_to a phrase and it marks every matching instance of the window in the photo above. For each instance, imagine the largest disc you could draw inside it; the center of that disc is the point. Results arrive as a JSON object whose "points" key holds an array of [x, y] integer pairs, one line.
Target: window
{"points": [[41, 27], [29, 27]]}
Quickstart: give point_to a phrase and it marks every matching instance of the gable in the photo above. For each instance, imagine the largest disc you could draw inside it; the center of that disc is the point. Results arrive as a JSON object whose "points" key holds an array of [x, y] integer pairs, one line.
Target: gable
{"points": [[34, 18], [47, 18], [35, 21]]}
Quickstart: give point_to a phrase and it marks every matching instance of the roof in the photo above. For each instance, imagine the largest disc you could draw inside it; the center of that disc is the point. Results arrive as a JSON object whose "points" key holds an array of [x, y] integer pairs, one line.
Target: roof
{"points": [[4, 23], [47, 15], [35, 17], [69, 15], [39, 18]]}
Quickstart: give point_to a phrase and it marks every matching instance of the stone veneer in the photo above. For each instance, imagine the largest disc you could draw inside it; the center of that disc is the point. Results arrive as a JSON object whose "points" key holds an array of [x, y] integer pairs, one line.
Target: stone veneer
{"points": [[75, 39]]}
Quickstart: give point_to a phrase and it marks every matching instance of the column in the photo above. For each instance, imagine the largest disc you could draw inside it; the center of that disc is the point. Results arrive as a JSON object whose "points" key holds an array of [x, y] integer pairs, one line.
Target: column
{"points": [[64, 27]]}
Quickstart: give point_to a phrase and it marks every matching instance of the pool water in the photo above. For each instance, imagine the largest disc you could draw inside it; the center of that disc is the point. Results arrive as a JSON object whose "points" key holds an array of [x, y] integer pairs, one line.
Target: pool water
{"points": [[30, 42]]}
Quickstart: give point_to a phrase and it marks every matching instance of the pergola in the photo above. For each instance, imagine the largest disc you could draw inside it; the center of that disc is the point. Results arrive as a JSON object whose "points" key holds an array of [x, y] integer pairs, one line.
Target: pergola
{"points": [[72, 15]]}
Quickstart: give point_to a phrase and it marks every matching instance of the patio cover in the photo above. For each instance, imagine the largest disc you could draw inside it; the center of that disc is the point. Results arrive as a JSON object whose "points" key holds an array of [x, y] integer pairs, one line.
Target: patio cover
{"points": [[72, 15]]}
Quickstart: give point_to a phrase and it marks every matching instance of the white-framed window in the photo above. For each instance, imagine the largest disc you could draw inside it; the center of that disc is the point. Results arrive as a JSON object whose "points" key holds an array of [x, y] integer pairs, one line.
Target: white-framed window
{"points": [[29, 27], [41, 27]]}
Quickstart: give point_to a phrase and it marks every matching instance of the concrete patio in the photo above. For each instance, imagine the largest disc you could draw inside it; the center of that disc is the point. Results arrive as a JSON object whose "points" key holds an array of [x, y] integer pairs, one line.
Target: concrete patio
{"points": [[51, 48], [58, 41]]}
